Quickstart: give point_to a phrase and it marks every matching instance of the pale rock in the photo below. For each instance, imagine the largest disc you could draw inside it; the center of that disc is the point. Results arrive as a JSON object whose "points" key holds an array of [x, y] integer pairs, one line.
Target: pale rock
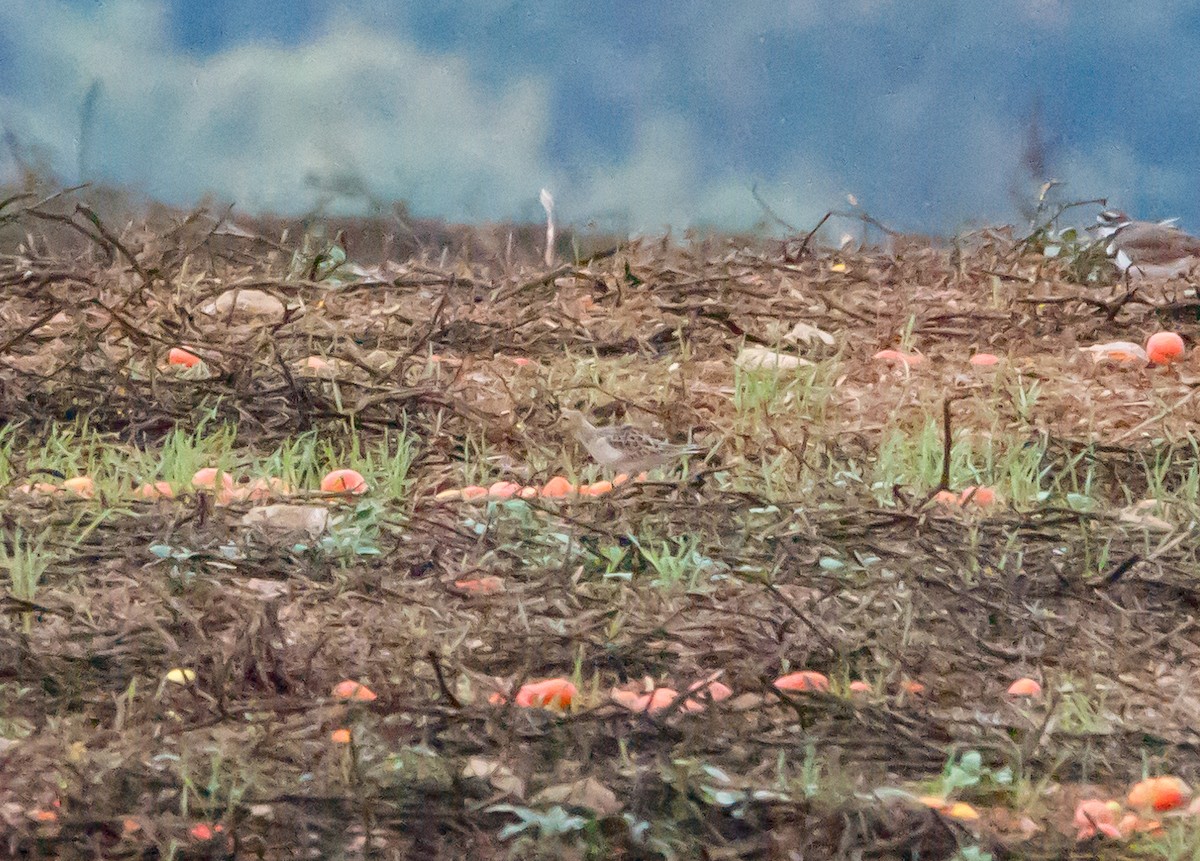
{"points": [[761, 358], [285, 517], [805, 333], [246, 304], [498, 775], [589, 793]]}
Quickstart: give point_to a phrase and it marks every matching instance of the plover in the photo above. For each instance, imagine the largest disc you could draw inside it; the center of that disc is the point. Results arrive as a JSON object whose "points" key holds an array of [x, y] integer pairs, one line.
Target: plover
{"points": [[1147, 249], [624, 448]]}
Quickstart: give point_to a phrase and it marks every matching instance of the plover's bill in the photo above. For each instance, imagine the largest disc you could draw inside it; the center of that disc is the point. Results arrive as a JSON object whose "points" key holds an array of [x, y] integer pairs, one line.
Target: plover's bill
{"points": [[1147, 249], [624, 448]]}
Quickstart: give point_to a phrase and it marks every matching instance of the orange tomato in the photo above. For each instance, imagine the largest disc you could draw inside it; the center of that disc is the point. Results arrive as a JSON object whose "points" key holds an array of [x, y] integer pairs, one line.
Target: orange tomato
{"points": [[490, 585], [1024, 688], [39, 487], [206, 479], [557, 488], [263, 489], [1159, 793], [896, 357], [803, 680], [349, 689], [180, 356], [655, 701], [658, 699], [1162, 348], [503, 490], [713, 689], [344, 481], [156, 490], [962, 811], [549, 693], [983, 496], [598, 488], [1095, 815], [80, 486], [203, 831]]}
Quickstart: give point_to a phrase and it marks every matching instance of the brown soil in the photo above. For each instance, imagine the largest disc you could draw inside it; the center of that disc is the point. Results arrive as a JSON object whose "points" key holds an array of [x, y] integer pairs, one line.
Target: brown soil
{"points": [[1101, 609]]}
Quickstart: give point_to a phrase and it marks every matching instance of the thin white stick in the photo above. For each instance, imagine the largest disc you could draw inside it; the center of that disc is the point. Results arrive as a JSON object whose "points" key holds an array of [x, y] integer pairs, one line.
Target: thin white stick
{"points": [[548, 205]]}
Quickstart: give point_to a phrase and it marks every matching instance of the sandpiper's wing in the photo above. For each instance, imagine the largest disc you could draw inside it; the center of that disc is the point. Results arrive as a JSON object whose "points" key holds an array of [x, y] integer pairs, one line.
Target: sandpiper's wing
{"points": [[638, 445], [624, 447]]}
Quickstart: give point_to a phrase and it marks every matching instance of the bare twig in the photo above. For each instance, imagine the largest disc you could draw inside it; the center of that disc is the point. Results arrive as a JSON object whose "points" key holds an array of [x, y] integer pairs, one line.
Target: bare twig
{"points": [[436, 663], [87, 212]]}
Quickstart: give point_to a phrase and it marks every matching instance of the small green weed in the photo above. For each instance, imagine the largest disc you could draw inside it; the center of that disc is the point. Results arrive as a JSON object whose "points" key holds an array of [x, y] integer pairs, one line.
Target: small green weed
{"points": [[554, 822], [1083, 257], [1082, 712], [26, 563], [913, 458], [676, 562], [1179, 841], [968, 776]]}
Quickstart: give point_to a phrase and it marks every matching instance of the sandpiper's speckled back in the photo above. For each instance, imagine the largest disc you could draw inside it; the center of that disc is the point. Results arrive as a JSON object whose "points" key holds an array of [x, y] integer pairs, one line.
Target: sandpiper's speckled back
{"points": [[623, 447]]}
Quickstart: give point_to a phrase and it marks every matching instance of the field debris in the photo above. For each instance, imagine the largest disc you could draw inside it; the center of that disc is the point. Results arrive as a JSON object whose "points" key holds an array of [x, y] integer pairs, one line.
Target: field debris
{"points": [[914, 488]]}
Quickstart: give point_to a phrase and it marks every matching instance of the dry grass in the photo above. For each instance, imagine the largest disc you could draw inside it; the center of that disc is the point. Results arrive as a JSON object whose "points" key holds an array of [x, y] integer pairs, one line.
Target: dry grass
{"points": [[800, 541]]}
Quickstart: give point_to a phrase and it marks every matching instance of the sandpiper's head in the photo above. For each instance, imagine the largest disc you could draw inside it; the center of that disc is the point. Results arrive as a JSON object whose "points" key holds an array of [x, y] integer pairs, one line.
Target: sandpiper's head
{"points": [[572, 418]]}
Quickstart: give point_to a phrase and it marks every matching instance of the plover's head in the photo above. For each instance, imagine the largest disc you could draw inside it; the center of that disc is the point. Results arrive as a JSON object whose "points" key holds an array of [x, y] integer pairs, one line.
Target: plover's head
{"points": [[1110, 221]]}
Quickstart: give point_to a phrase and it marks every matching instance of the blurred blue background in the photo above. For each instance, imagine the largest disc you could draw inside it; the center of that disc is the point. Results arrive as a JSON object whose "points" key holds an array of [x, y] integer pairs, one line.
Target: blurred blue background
{"points": [[935, 115]]}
